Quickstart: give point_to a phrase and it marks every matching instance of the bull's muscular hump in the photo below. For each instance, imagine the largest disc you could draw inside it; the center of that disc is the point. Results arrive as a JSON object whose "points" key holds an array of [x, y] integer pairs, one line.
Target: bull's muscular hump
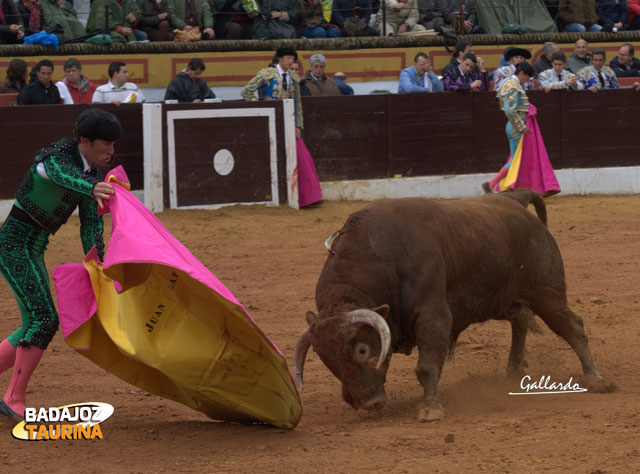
{"points": [[415, 272]]}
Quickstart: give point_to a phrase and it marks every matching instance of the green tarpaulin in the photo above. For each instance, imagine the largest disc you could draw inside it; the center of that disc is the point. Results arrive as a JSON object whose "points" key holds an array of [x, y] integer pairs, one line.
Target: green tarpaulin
{"points": [[533, 15]]}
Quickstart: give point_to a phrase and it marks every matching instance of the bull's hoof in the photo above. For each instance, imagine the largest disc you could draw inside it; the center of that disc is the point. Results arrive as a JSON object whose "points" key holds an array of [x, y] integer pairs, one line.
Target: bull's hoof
{"points": [[430, 413], [597, 384], [517, 371]]}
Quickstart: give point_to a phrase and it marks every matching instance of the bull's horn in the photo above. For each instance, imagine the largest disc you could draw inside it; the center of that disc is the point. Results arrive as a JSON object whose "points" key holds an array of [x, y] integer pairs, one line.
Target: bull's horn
{"points": [[300, 354], [371, 318]]}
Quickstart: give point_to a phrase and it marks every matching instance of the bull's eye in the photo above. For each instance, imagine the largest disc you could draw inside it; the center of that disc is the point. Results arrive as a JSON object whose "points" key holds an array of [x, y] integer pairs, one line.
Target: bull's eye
{"points": [[361, 352]]}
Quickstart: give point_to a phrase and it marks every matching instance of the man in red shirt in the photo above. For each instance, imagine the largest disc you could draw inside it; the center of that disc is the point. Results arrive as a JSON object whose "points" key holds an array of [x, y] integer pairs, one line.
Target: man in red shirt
{"points": [[74, 87]]}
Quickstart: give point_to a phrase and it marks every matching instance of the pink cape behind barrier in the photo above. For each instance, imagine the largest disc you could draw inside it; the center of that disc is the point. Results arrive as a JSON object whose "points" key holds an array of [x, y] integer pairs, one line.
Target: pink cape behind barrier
{"points": [[309, 190], [155, 316]]}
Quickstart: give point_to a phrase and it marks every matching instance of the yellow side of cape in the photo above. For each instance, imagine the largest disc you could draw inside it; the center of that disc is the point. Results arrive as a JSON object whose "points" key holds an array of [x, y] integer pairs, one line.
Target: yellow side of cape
{"points": [[171, 335]]}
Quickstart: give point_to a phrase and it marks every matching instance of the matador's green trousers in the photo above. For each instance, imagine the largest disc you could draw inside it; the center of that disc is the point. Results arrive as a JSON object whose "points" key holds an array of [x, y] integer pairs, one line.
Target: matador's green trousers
{"points": [[22, 247]]}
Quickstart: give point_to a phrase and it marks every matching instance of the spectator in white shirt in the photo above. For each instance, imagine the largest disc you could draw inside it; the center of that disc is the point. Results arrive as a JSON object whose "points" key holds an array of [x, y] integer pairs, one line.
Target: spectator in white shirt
{"points": [[558, 77], [118, 90]]}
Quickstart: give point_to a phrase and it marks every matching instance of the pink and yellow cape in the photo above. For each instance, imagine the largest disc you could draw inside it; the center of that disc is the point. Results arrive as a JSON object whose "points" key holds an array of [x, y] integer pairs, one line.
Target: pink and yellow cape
{"points": [[154, 316], [530, 167]]}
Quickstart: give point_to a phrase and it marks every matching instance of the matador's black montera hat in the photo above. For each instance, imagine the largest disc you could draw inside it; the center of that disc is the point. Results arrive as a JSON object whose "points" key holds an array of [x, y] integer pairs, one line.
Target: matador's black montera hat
{"points": [[97, 123]]}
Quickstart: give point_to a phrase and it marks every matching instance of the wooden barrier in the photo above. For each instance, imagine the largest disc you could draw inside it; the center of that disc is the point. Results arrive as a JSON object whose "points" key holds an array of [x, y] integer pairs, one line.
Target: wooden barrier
{"points": [[10, 98], [382, 136], [357, 137], [26, 129]]}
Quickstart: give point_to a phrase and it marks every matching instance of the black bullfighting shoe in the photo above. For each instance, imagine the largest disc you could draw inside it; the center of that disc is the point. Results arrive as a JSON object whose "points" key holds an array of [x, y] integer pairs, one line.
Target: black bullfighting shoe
{"points": [[8, 412], [486, 188]]}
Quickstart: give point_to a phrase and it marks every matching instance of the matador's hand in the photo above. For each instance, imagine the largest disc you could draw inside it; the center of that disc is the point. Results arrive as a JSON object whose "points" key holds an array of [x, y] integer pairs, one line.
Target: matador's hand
{"points": [[102, 191]]}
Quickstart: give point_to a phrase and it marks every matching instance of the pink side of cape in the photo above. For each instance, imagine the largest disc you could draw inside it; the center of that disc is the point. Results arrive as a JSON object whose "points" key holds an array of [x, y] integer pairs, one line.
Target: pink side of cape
{"points": [[137, 236], [309, 190]]}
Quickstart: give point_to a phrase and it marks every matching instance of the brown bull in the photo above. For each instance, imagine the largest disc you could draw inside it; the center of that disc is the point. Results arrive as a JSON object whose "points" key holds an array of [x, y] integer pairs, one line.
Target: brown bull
{"points": [[415, 272]]}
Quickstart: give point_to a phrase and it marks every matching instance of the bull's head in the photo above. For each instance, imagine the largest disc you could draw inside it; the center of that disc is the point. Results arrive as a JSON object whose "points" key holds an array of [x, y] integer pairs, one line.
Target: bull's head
{"points": [[354, 346]]}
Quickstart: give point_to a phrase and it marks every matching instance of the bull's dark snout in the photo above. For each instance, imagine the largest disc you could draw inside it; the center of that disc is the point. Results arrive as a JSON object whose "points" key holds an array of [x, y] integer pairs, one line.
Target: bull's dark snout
{"points": [[376, 403]]}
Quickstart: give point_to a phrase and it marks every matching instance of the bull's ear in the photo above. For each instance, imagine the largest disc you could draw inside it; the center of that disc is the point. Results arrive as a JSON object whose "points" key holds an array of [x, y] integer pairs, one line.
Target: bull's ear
{"points": [[382, 310], [311, 318]]}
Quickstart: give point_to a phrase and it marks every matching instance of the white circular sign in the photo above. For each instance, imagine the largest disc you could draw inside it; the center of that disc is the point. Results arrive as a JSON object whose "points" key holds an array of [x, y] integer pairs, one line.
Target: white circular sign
{"points": [[223, 162]]}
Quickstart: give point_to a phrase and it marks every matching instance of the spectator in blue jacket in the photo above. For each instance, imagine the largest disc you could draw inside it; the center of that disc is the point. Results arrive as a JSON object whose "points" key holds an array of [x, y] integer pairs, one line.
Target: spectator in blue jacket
{"points": [[341, 80], [419, 77], [613, 14], [624, 64]]}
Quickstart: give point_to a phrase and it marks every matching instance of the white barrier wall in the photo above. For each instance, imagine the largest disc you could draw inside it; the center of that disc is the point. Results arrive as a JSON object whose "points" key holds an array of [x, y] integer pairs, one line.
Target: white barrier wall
{"points": [[572, 181]]}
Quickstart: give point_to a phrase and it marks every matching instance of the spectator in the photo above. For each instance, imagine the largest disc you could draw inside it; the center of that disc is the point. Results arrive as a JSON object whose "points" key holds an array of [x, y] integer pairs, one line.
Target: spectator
{"points": [[558, 77], [580, 58], [230, 20], [117, 90], [278, 83], [11, 26], [419, 77], [32, 16], [155, 19], [614, 14], [317, 81], [634, 15], [304, 90], [544, 62], [469, 15], [352, 17], [431, 13], [461, 48], [578, 16], [313, 23], [513, 56], [123, 18], [625, 64], [462, 78], [402, 17], [192, 13], [341, 80], [273, 19], [16, 77], [74, 88], [188, 86], [597, 76], [40, 91], [61, 12]]}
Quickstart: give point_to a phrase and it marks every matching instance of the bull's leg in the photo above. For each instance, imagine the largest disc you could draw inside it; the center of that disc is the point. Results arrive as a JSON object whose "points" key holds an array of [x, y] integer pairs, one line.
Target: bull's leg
{"points": [[432, 338], [519, 327], [566, 324]]}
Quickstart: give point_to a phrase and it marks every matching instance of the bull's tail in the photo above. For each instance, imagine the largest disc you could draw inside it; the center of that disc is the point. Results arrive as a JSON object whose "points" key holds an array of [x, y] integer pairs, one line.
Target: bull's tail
{"points": [[526, 197]]}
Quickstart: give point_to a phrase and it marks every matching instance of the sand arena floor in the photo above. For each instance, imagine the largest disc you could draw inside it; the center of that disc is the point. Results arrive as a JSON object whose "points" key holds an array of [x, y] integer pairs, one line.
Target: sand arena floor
{"points": [[271, 258]]}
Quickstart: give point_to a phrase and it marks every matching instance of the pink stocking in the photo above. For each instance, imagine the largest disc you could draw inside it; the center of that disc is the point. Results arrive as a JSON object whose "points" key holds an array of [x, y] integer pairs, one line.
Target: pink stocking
{"points": [[27, 359], [497, 178], [7, 355]]}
